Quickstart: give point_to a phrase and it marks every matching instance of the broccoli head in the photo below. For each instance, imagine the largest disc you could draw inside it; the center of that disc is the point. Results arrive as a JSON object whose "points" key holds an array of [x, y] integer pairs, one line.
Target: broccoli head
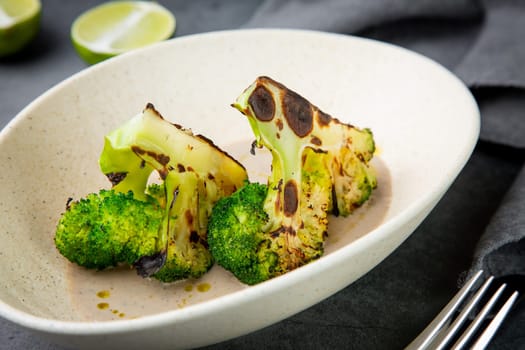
{"points": [[194, 173], [108, 228], [319, 166], [236, 235]]}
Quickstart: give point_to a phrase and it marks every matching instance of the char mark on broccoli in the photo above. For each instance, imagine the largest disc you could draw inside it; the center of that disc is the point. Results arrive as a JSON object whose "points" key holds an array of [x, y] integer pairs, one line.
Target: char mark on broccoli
{"points": [[68, 202], [115, 178], [298, 113], [291, 199], [160, 158], [262, 103], [148, 265]]}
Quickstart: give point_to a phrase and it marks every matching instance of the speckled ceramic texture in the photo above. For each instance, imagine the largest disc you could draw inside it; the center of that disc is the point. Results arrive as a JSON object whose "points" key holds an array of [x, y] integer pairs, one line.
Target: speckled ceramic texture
{"points": [[424, 120]]}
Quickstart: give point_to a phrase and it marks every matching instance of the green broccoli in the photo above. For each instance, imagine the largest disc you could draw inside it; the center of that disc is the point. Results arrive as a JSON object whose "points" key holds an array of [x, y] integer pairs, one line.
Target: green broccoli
{"points": [[108, 228], [194, 173], [319, 166], [235, 234]]}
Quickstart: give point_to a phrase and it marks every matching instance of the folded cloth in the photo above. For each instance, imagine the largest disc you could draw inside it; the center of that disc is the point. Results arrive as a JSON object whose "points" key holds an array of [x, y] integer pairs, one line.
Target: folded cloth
{"points": [[501, 249], [488, 58], [497, 56], [351, 16], [495, 62]]}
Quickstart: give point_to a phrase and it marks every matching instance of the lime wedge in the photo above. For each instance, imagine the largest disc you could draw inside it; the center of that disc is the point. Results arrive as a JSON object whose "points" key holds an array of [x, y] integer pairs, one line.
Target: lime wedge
{"points": [[19, 23], [120, 26]]}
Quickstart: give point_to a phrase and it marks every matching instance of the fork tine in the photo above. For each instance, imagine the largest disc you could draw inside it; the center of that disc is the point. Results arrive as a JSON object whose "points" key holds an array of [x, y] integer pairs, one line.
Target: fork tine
{"points": [[493, 326], [479, 318], [428, 334], [460, 319]]}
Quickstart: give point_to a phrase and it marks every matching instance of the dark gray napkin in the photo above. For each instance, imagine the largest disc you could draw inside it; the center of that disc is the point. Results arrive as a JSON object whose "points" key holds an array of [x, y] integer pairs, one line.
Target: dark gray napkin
{"points": [[495, 63], [501, 249], [350, 16], [489, 57]]}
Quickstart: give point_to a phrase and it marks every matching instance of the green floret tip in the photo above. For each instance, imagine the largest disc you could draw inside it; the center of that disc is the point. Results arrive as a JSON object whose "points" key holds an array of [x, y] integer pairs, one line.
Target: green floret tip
{"points": [[319, 166]]}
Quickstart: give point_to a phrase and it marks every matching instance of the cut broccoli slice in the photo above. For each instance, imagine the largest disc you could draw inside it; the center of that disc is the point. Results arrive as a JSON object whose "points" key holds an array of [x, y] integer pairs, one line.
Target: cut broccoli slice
{"points": [[160, 229], [319, 165], [196, 174]]}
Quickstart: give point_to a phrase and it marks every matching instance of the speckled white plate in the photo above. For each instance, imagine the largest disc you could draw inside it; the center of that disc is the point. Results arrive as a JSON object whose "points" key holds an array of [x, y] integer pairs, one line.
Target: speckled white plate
{"points": [[425, 124]]}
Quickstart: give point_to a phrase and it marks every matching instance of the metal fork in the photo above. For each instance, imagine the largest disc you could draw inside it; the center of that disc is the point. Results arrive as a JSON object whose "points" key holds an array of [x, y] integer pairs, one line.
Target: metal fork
{"points": [[448, 324]]}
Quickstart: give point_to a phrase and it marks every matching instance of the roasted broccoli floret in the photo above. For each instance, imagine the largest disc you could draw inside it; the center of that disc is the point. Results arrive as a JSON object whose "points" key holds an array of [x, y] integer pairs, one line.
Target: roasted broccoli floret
{"points": [[108, 228], [236, 234], [319, 166], [194, 174]]}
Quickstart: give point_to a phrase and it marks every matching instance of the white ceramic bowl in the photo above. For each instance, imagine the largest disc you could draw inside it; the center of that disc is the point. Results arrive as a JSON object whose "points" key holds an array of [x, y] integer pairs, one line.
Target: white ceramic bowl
{"points": [[424, 120]]}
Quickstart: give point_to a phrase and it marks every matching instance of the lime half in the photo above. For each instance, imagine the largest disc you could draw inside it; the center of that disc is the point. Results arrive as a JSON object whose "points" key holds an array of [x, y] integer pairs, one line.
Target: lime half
{"points": [[120, 26], [19, 23]]}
